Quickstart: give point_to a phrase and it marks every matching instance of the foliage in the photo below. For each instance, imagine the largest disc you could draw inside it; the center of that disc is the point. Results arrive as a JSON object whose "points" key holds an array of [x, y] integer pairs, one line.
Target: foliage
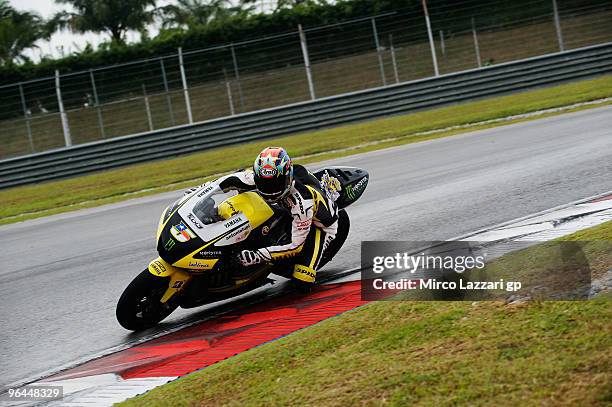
{"points": [[227, 26], [114, 17], [18, 31], [193, 13]]}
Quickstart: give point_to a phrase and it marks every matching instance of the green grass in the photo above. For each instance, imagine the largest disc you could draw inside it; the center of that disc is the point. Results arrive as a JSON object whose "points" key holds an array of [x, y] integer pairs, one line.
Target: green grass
{"points": [[486, 353], [553, 269], [31, 201]]}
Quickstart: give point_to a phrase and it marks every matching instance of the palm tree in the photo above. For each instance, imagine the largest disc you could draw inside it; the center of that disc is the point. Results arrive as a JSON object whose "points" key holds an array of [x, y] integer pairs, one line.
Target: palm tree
{"points": [[192, 13], [19, 30], [114, 17]]}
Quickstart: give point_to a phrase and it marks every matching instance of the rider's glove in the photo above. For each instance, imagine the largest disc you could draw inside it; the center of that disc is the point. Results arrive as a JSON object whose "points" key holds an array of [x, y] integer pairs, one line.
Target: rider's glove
{"points": [[249, 258]]}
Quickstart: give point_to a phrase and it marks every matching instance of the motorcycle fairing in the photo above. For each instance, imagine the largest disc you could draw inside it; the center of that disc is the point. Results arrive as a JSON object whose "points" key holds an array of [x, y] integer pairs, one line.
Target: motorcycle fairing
{"points": [[242, 213], [167, 214], [204, 240], [247, 205], [178, 278]]}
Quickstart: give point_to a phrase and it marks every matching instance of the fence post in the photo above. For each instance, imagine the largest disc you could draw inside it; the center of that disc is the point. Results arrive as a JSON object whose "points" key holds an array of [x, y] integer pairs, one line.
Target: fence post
{"points": [[167, 89], [558, 26], [476, 46], [237, 75], [306, 62], [442, 44], [393, 59], [432, 46], [97, 102], [228, 89], [63, 116], [381, 66], [26, 115], [185, 90], [229, 98], [147, 107]]}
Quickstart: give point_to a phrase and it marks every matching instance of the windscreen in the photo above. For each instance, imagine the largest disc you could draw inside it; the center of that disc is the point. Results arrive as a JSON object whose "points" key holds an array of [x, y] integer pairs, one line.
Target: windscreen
{"points": [[206, 210]]}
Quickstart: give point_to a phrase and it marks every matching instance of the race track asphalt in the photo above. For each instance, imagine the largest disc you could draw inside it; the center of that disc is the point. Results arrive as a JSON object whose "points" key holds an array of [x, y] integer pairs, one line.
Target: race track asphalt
{"points": [[62, 275]]}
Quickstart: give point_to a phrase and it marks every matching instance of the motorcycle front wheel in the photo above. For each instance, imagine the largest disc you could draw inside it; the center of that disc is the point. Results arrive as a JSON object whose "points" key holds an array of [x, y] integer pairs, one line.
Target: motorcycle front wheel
{"points": [[139, 306]]}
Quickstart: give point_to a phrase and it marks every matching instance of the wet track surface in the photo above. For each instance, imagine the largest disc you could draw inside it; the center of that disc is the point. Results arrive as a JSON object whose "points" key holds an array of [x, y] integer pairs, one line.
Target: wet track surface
{"points": [[61, 276]]}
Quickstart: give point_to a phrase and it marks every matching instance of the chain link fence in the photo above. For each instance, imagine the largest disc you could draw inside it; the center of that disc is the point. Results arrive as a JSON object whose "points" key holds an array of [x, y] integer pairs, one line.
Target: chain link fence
{"points": [[309, 63]]}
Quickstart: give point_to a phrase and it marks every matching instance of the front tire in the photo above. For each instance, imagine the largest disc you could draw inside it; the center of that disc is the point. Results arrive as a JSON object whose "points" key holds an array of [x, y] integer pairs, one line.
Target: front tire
{"points": [[139, 306]]}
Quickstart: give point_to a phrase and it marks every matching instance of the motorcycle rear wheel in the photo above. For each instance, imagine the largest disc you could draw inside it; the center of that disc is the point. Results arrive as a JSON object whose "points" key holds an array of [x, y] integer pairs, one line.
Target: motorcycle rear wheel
{"points": [[139, 306]]}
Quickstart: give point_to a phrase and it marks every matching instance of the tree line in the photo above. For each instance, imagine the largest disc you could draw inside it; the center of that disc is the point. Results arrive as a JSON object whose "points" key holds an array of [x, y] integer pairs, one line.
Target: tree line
{"points": [[196, 24], [21, 30]]}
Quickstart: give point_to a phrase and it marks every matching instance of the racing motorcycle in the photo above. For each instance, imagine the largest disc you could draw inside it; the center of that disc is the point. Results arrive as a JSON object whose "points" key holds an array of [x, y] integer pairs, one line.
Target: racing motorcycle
{"points": [[199, 236]]}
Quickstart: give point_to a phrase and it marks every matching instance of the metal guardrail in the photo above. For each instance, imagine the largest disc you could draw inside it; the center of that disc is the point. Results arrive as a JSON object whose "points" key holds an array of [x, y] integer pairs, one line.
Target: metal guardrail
{"points": [[307, 116]]}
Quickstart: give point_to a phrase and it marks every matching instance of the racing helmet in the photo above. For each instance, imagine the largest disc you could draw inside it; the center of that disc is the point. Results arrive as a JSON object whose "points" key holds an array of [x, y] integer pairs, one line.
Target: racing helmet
{"points": [[273, 173]]}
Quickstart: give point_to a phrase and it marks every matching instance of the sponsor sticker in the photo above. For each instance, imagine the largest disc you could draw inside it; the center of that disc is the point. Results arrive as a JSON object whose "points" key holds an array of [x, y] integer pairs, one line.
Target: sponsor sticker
{"points": [[268, 172], [361, 184], [304, 273], [352, 191], [158, 267], [205, 191], [331, 186], [305, 224], [234, 211], [232, 222], [199, 265], [195, 221], [210, 254], [182, 233], [244, 230], [170, 245]]}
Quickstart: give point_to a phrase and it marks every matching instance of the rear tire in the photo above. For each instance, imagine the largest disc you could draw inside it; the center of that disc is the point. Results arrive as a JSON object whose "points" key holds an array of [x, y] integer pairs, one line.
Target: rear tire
{"points": [[139, 306]]}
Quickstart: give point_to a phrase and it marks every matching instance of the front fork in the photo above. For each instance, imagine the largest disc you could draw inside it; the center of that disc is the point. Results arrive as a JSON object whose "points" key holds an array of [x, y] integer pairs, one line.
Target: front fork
{"points": [[178, 277]]}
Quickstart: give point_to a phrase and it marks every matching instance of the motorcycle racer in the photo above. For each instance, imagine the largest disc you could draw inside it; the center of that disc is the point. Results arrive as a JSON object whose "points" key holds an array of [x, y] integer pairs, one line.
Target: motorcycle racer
{"points": [[314, 212]]}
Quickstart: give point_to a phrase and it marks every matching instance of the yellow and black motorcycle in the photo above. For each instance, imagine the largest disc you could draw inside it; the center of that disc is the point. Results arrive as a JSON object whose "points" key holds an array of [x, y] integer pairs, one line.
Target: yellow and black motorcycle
{"points": [[199, 236]]}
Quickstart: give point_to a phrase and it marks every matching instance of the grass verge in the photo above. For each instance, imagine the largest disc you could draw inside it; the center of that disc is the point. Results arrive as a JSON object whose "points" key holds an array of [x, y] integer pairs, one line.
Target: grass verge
{"points": [[32, 201], [423, 353]]}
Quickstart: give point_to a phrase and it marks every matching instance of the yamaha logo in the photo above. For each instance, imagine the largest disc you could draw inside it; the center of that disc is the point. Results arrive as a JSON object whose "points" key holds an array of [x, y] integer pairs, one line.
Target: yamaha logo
{"points": [[232, 222]]}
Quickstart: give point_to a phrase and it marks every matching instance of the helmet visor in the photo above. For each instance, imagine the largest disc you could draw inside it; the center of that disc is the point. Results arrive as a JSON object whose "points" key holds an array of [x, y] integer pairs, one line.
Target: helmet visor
{"points": [[273, 189]]}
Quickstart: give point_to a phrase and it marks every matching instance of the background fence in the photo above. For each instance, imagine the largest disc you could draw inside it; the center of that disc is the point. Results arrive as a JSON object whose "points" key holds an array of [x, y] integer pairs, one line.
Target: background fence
{"points": [[193, 86]]}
